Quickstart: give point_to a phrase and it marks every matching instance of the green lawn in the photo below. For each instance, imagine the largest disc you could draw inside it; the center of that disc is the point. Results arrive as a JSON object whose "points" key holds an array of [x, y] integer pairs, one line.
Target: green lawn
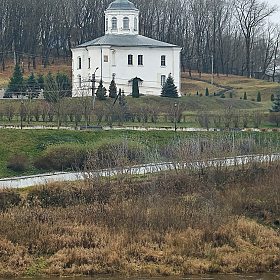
{"points": [[32, 143]]}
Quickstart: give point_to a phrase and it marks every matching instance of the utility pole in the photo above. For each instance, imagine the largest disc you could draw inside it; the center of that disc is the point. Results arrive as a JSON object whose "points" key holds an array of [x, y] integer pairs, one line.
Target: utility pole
{"points": [[175, 115], [93, 89], [21, 104], [93, 86], [212, 77]]}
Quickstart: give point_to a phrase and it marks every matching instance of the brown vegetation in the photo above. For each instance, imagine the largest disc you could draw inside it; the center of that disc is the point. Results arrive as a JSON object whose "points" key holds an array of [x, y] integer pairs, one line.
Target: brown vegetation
{"points": [[173, 223]]}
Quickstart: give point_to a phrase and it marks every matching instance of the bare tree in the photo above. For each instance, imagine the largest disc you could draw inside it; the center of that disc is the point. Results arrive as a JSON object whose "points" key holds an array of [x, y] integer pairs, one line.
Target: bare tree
{"points": [[250, 15]]}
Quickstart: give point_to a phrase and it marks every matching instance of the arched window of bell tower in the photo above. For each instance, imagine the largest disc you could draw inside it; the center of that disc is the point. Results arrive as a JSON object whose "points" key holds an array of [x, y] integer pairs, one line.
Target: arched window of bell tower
{"points": [[114, 23], [125, 23], [135, 24]]}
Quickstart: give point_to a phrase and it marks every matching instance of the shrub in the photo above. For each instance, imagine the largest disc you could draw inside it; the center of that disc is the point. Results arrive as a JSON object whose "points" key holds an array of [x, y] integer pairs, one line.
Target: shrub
{"points": [[18, 163], [61, 157], [135, 87], [101, 91], [112, 89]]}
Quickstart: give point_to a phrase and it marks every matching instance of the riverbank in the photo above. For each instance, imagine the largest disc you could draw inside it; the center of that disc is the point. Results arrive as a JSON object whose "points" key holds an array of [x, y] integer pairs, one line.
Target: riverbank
{"points": [[178, 222]]}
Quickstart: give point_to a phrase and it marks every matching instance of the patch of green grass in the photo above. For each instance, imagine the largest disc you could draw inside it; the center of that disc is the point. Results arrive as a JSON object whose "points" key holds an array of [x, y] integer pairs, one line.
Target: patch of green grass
{"points": [[37, 268], [32, 143]]}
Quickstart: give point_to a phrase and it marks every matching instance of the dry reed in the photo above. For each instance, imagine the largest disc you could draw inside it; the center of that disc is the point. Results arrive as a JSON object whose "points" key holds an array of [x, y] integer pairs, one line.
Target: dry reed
{"points": [[179, 222]]}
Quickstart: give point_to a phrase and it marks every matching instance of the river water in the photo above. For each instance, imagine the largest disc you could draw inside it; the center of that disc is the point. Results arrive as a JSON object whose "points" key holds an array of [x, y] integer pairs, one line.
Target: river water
{"points": [[255, 276]]}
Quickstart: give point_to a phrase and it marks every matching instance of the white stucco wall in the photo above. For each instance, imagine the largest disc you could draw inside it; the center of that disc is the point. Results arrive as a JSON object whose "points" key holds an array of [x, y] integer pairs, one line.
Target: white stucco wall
{"points": [[150, 72]]}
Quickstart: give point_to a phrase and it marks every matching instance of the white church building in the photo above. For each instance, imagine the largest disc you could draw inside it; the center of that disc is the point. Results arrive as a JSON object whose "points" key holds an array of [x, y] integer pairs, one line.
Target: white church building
{"points": [[122, 54]]}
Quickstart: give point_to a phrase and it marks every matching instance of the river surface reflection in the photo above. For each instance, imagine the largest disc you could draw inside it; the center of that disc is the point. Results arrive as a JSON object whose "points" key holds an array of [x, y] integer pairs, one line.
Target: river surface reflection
{"points": [[255, 276]]}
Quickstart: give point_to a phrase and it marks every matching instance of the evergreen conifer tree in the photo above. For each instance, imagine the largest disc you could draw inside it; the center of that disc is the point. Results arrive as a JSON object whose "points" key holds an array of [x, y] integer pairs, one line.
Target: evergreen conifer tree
{"points": [[276, 104], [245, 96], [135, 88], [101, 91], [51, 93], [64, 85], [259, 98], [169, 89], [40, 81], [123, 105], [272, 97], [112, 89], [230, 95], [15, 85], [32, 88], [206, 92]]}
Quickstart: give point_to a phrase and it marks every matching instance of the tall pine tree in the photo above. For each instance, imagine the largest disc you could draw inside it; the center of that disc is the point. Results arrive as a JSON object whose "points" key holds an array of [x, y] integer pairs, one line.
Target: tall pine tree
{"points": [[64, 85], [32, 87], [169, 89], [112, 89], [276, 104], [101, 91], [51, 92], [15, 86]]}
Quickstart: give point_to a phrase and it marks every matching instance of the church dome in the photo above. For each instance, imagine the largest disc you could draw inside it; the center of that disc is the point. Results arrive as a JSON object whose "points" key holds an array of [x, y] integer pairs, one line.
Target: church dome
{"points": [[121, 5]]}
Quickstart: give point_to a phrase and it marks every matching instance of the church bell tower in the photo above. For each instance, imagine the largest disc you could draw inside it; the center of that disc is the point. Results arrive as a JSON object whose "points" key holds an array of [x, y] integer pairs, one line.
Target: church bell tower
{"points": [[122, 18]]}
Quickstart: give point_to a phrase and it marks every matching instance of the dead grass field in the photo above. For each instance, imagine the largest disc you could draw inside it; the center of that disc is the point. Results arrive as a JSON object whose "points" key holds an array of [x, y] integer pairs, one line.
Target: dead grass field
{"points": [[224, 221], [238, 83]]}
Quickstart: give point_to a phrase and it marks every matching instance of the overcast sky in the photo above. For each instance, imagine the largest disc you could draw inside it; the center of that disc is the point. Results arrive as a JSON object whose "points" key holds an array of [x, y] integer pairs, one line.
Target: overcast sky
{"points": [[276, 16]]}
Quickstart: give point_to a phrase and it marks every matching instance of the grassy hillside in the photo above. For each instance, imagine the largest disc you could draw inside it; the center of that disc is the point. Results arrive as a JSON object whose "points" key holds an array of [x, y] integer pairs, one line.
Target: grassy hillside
{"points": [[57, 150], [235, 84]]}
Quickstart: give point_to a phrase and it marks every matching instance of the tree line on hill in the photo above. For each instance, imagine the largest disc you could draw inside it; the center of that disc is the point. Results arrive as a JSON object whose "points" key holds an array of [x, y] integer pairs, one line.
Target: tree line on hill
{"points": [[233, 36], [52, 87]]}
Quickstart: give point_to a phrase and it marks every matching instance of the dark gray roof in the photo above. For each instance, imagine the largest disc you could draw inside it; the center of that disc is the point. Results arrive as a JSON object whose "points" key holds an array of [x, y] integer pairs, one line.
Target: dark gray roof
{"points": [[125, 41], [121, 5]]}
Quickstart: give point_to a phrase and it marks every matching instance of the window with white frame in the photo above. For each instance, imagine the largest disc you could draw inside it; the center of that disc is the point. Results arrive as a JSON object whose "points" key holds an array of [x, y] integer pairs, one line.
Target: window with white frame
{"points": [[126, 23], [140, 59], [163, 60], [79, 63], [89, 63], [162, 80], [114, 23], [130, 59]]}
